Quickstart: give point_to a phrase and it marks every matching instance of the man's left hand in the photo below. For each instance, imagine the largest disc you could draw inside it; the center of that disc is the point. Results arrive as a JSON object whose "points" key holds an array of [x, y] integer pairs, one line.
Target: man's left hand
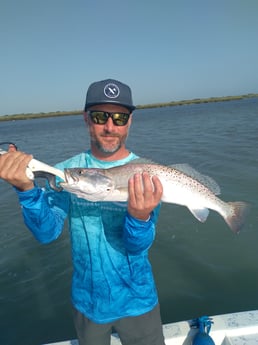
{"points": [[145, 193]]}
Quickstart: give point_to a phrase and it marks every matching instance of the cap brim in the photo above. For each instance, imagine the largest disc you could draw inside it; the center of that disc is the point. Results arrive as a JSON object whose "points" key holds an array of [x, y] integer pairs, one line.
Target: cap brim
{"points": [[129, 107]]}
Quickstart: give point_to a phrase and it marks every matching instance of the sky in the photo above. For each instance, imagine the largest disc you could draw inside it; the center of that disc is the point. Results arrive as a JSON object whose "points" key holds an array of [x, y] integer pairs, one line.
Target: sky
{"points": [[165, 50]]}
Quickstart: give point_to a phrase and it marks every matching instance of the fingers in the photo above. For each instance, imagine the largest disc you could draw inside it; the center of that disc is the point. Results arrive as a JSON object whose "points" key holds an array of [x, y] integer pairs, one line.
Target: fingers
{"points": [[15, 161], [158, 188], [144, 195], [13, 169], [139, 187]]}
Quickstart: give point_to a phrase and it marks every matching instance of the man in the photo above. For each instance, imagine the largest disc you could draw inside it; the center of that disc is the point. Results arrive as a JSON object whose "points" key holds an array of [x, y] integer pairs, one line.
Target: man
{"points": [[113, 285]]}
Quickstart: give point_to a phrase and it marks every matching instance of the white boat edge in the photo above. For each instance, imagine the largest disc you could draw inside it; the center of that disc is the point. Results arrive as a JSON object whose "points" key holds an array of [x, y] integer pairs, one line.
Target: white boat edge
{"points": [[227, 329]]}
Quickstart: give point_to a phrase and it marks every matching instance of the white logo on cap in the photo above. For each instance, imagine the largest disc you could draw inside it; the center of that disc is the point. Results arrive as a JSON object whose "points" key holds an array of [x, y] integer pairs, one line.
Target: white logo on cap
{"points": [[111, 90]]}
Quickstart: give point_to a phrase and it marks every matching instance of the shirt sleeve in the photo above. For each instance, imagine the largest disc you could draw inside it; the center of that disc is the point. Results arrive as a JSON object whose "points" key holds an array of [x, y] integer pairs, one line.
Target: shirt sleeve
{"points": [[44, 212], [138, 234]]}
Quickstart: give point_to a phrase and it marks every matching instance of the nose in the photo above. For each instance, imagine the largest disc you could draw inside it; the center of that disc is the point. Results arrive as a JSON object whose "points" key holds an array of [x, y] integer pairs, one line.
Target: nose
{"points": [[109, 125]]}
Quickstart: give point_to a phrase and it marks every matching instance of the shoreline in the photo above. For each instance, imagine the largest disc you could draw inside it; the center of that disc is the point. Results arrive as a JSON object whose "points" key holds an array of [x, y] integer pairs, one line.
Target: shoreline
{"points": [[28, 116]]}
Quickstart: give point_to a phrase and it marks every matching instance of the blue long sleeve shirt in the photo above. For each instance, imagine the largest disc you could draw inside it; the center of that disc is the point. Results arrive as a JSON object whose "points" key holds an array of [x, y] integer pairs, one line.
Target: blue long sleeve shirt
{"points": [[112, 276]]}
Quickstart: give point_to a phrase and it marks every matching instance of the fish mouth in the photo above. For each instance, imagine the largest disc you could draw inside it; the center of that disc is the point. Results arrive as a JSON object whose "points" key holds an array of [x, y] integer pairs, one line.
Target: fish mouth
{"points": [[70, 177]]}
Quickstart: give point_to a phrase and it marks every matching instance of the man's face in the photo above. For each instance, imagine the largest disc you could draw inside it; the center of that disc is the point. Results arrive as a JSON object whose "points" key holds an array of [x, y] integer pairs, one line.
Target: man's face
{"points": [[108, 138]]}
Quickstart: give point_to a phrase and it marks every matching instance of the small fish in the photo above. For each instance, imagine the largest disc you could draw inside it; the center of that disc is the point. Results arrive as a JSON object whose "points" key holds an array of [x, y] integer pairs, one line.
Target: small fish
{"points": [[182, 185]]}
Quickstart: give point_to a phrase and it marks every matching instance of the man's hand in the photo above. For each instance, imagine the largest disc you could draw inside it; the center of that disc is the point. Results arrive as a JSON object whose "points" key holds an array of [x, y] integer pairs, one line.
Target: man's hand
{"points": [[144, 195], [13, 169]]}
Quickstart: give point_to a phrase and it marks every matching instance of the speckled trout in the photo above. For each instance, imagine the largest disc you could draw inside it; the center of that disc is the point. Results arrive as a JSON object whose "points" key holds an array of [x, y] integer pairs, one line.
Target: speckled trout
{"points": [[182, 185]]}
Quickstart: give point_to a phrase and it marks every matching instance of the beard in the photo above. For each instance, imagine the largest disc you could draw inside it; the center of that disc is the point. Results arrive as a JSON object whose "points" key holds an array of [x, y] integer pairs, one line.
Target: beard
{"points": [[108, 147]]}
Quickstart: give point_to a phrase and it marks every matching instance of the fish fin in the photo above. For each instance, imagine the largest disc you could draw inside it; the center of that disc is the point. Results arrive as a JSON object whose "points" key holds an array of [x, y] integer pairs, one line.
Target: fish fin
{"points": [[200, 213], [237, 215], [206, 180], [185, 168], [118, 194], [142, 160]]}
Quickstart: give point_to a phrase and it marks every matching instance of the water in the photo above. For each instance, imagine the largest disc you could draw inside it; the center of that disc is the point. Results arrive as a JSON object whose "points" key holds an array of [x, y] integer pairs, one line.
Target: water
{"points": [[200, 269]]}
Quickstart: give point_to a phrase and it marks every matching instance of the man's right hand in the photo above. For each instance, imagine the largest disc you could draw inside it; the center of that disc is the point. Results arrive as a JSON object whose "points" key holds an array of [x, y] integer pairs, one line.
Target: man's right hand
{"points": [[13, 169]]}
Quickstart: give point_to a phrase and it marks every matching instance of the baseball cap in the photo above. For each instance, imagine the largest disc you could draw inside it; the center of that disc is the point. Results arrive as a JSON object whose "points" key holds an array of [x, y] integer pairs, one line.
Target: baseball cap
{"points": [[109, 91]]}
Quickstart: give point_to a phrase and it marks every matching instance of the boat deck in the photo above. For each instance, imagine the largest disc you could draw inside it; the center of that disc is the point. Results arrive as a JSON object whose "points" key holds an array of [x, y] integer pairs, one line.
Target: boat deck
{"points": [[227, 329]]}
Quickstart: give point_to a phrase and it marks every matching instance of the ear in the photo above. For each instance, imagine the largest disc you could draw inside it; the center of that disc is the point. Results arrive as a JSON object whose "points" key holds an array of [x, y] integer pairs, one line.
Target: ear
{"points": [[85, 116], [130, 120]]}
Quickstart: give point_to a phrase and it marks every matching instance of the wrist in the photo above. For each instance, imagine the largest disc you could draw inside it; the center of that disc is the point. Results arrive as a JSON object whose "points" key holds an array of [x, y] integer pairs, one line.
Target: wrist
{"points": [[25, 187], [140, 217]]}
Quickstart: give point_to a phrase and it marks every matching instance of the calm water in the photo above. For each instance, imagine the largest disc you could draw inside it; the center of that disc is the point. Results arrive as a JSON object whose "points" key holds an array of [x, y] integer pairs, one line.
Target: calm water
{"points": [[200, 269]]}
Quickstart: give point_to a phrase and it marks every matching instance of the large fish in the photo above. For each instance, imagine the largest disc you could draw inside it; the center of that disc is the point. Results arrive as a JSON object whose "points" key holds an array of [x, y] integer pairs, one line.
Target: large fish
{"points": [[182, 185]]}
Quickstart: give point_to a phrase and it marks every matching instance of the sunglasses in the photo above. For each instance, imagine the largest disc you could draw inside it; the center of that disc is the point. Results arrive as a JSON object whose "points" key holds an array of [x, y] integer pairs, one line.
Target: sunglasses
{"points": [[101, 117]]}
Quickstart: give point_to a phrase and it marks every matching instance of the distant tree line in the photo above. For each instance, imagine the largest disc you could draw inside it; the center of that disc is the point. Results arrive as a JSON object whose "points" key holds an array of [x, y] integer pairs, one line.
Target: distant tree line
{"points": [[154, 105]]}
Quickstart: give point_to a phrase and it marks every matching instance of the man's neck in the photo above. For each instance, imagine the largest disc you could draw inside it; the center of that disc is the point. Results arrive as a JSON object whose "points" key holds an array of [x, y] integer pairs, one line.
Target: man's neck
{"points": [[121, 154]]}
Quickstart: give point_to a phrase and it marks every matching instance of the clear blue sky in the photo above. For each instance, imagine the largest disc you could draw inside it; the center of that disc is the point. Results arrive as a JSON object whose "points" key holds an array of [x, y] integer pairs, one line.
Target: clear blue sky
{"points": [[166, 50]]}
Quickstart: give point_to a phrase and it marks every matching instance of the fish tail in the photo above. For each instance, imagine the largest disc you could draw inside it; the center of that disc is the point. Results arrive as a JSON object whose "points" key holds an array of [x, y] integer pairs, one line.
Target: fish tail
{"points": [[237, 214]]}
